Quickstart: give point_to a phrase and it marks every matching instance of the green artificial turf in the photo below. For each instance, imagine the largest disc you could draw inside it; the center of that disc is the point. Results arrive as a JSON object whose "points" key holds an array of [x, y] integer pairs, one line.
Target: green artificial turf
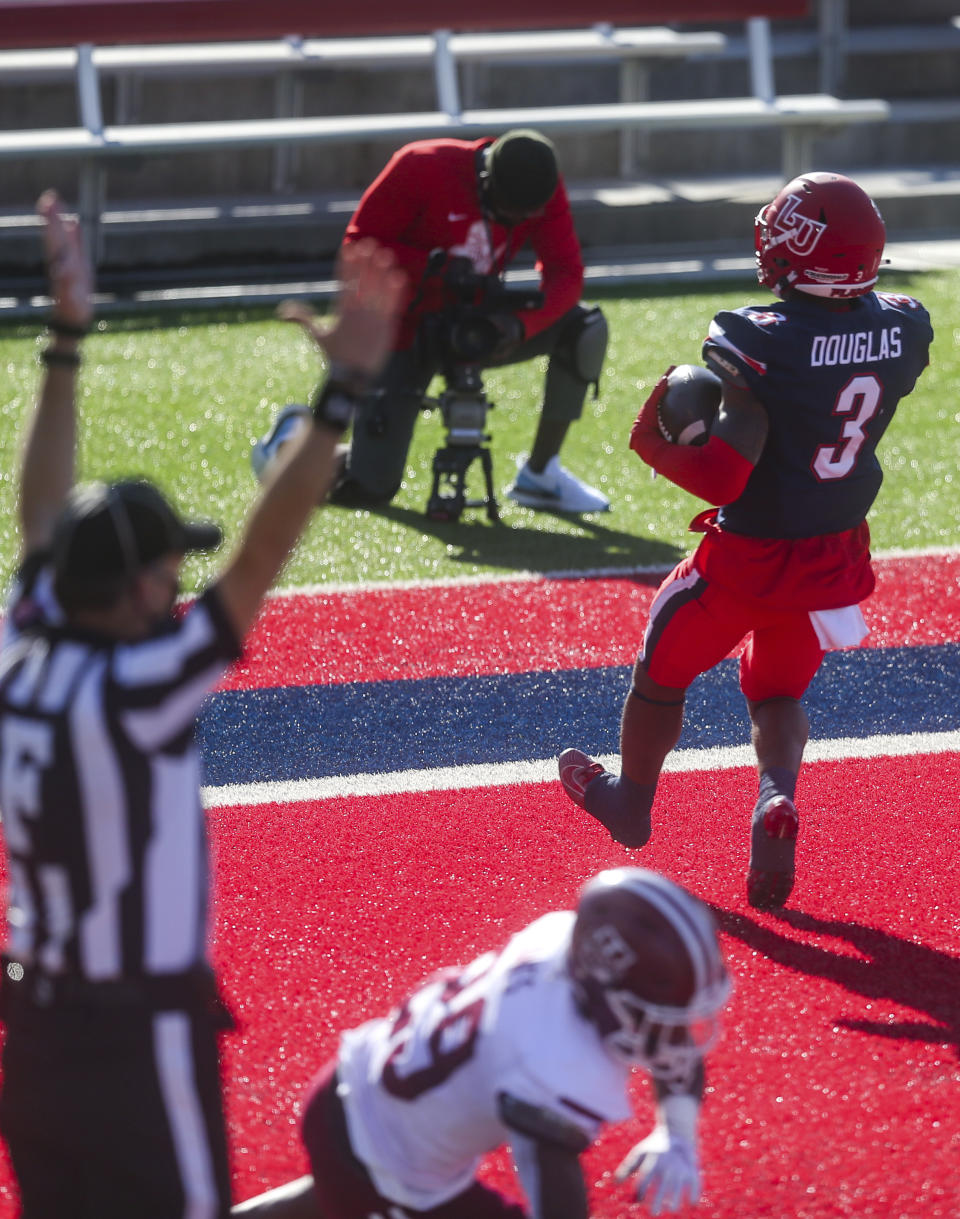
{"points": [[182, 400]]}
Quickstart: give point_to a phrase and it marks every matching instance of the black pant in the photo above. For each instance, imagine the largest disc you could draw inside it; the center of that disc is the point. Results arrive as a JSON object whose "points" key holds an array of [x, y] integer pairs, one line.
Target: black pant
{"points": [[383, 427], [114, 1112]]}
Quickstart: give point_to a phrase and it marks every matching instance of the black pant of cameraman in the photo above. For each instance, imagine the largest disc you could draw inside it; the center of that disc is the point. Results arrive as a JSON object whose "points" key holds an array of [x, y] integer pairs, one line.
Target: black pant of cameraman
{"points": [[383, 427]]}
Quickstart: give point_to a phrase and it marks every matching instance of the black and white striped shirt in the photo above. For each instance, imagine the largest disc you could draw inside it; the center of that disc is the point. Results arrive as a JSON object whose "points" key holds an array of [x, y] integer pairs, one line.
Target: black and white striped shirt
{"points": [[100, 788]]}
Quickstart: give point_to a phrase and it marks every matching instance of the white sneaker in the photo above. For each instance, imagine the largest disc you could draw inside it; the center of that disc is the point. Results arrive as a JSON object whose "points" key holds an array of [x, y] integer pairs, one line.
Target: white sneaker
{"points": [[556, 489], [286, 425]]}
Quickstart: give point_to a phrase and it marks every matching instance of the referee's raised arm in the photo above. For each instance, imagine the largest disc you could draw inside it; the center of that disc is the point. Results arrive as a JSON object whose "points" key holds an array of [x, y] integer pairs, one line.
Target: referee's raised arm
{"points": [[49, 456], [356, 344]]}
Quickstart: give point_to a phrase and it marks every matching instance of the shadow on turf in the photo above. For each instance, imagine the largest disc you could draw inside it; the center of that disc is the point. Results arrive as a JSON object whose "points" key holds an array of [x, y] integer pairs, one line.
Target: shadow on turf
{"points": [[913, 975], [474, 539]]}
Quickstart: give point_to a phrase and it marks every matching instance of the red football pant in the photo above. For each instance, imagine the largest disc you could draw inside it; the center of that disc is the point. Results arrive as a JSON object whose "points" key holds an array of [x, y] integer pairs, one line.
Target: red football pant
{"points": [[693, 625]]}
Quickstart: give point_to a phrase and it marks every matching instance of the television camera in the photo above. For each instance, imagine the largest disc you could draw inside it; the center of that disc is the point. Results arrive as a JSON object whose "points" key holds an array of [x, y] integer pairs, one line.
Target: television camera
{"points": [[462, 339]]}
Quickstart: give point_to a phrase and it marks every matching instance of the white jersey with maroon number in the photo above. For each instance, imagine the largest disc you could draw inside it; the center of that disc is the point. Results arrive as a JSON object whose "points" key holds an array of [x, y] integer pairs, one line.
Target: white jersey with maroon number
{"points": [[420, 1087]]}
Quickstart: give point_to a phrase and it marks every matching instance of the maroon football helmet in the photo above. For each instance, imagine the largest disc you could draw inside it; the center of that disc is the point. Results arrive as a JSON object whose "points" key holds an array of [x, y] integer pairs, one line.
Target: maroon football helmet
{"points": [[822, 235], [647, 971]]}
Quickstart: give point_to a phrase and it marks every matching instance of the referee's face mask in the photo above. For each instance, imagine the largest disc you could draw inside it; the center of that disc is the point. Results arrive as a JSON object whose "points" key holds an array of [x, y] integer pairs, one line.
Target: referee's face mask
{"points": [[110, 538]]}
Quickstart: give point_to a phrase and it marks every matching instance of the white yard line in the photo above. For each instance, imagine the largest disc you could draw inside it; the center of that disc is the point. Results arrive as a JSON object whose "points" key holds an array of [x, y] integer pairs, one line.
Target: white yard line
{"points": [[502, 774], [513, 577]]}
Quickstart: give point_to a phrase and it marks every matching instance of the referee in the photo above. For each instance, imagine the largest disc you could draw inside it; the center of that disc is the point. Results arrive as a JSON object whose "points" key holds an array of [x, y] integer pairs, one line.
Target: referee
{"points": [[111, 1104]]}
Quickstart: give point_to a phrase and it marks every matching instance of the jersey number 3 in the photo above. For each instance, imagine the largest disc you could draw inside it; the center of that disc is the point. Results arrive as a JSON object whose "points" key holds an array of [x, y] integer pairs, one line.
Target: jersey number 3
{"points": [[859, 400]]}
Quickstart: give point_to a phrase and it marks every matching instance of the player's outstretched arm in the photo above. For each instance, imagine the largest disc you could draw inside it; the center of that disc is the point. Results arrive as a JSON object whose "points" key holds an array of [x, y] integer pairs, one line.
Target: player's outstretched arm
{"points": [[546, 1150], [356, 345], [666, 1164], [717, 471], [49, 455], [551, 1177]]}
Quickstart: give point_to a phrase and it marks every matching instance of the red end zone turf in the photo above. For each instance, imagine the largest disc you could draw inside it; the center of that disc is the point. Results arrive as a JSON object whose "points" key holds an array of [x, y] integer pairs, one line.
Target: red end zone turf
{"points": [[834, 1090], [445, 630]]}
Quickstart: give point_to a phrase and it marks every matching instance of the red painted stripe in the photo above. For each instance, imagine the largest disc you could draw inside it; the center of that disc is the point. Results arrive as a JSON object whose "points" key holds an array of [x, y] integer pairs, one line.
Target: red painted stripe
{"points": [[381, 634]]}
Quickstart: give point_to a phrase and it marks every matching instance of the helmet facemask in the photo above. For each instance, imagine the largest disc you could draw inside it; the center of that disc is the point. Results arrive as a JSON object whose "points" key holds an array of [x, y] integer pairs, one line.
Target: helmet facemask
{"points": [[647, 972], [667, 1042]]}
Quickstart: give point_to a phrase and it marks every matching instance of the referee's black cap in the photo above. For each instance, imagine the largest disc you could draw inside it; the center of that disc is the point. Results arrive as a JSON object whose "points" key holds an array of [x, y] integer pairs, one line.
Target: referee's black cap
{"points": [[108, 531]]}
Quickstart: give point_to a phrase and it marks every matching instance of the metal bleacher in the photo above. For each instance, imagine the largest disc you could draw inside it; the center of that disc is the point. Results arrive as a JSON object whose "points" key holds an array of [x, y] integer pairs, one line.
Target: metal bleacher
{"points": [[90, 151]]}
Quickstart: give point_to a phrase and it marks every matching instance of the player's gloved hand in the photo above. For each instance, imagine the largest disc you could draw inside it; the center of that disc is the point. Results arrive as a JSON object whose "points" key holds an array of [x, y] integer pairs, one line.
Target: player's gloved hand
{"points": [[667, 1168], [511, 334], [645, 436]]}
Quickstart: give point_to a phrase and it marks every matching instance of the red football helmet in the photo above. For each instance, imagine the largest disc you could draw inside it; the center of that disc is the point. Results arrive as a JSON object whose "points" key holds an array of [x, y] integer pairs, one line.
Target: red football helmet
{"points": [[822, 235], [647, 971]]}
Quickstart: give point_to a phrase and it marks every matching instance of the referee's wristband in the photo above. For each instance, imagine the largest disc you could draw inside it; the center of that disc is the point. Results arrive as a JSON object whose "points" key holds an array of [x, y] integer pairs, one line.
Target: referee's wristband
{"points": [[334, 405], [54, 357], [338, 397]]}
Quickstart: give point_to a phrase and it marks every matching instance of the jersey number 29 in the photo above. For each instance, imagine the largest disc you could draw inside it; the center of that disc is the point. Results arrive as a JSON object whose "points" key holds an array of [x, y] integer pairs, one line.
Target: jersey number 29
{"points": [[450, 1045]]}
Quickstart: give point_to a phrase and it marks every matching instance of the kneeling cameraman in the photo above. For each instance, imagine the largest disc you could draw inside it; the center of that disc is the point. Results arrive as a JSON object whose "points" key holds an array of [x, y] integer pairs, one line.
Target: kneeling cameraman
{"points": [[479, 201]]}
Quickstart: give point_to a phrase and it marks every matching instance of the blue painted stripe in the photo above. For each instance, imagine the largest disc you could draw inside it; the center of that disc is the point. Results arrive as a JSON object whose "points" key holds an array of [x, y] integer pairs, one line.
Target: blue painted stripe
{"points": [[379, 727]]}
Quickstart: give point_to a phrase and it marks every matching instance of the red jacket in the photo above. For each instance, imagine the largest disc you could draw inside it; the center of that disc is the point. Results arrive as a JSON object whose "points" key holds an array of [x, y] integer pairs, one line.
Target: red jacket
{"points": [[427, 196]]}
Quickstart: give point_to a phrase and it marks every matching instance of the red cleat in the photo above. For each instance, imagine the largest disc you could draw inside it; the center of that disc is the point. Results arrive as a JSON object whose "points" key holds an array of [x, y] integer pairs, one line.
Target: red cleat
{"points": [[773, 844], [577, 769]]}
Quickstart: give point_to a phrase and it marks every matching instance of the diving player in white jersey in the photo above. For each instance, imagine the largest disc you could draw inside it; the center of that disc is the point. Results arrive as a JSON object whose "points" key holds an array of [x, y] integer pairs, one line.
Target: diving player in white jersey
{"points": [[533, 1047]]}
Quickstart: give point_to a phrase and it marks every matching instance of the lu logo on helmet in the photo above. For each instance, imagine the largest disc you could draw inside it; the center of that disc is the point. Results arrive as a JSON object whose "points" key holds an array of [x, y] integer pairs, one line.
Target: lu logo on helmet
{"points": [[799, 232]]}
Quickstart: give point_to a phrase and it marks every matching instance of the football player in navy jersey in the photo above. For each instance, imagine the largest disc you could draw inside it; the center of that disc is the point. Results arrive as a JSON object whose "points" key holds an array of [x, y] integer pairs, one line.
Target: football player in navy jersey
{"points": [[810, 383]]}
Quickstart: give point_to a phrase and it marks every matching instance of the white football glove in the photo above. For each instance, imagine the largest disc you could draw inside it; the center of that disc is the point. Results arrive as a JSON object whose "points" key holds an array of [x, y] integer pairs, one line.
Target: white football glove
{"points": [[667, 1168]]}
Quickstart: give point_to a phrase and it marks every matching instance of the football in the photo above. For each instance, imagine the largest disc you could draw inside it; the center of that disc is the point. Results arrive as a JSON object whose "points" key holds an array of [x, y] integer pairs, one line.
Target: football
{"points": [[687, 410]]}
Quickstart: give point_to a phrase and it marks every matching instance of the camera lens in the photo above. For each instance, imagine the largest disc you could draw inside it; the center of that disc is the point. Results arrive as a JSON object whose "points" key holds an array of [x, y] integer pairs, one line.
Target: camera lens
{"points": [[473, 338]]}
